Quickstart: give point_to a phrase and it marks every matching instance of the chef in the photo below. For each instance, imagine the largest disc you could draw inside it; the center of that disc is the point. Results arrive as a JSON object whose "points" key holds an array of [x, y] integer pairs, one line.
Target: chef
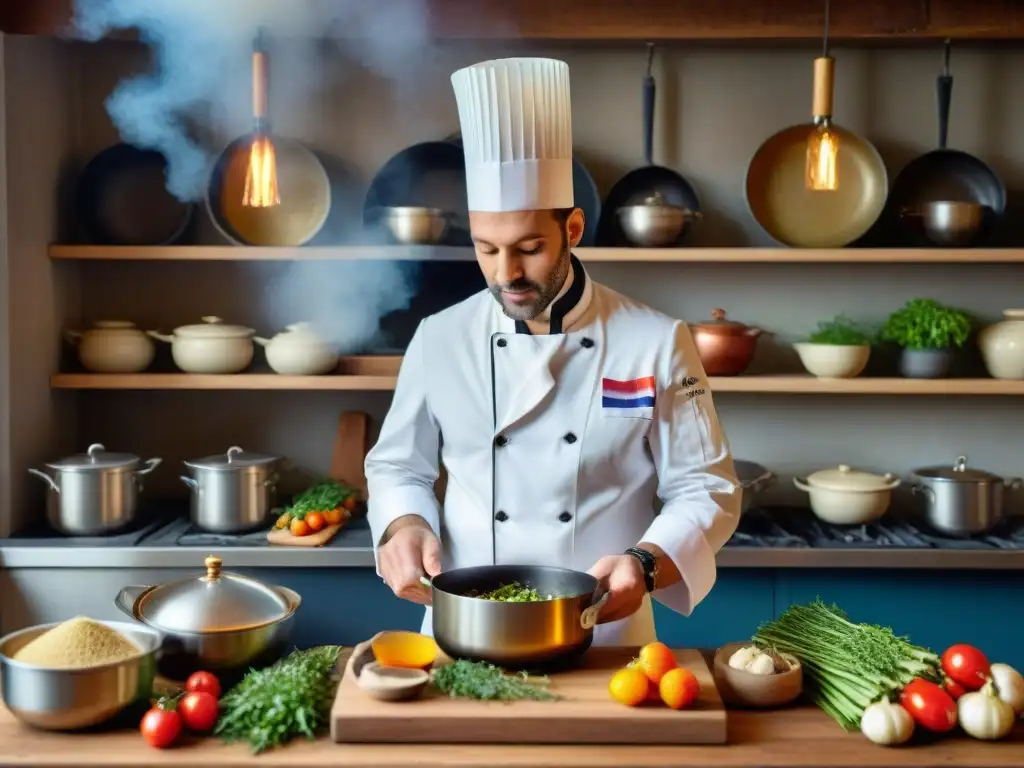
{"points": [[559, 408]]}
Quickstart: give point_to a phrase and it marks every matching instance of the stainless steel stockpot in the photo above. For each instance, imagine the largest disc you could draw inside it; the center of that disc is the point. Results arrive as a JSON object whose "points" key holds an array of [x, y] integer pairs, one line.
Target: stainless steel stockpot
{"points": [[232, 492], [960, 500], [517, 635], [94, 493]]}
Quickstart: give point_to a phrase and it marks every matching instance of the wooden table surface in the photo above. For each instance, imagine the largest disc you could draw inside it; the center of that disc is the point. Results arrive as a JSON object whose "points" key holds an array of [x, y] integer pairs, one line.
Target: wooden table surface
{"points": [[802, 736]]}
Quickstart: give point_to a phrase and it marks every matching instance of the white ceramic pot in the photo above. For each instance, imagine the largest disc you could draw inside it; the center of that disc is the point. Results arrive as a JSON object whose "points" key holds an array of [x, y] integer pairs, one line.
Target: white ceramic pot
{"points": [[113, 346], [845, 496], [211, 347], [833, 361], [298, 351], [1002, 346]]}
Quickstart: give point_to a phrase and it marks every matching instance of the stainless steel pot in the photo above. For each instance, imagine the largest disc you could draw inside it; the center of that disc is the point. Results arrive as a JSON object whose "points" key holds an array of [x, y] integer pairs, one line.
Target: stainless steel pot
{"points": [[69, 699], [753, 480], [232, 492], [94, 493], [515, 635], [961, 501], [222, 622], [655, 223]]}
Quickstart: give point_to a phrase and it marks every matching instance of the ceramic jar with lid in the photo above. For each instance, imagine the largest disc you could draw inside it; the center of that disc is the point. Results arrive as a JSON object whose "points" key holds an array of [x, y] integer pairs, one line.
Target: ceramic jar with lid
{"points": [[847, 496], [215, 621], [725, 347], [1002, 346], [299, 351], [113, 346], [210, 347]]}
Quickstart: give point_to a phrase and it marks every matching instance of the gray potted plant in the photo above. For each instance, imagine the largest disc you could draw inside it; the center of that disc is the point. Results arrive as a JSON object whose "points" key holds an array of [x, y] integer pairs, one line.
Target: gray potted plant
{"points": [[838, 349], [927, 332]]}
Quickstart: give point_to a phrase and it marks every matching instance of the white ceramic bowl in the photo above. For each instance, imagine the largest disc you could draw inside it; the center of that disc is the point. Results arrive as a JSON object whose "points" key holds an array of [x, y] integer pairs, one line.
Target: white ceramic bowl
{"points": [[833, 361]]}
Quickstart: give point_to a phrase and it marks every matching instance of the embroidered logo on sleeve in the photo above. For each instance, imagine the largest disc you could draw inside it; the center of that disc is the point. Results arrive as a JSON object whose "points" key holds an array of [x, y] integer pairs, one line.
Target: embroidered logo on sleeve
{"points": [[623, 395]]}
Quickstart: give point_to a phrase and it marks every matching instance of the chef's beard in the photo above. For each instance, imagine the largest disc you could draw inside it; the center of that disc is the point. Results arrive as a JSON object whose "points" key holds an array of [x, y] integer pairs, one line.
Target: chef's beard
{"points": [[545, 293]]}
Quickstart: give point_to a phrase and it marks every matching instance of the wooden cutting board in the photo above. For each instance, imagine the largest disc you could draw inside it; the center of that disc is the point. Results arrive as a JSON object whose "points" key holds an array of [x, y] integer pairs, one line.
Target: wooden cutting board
{"points": [[585, 715], [284, 537]]}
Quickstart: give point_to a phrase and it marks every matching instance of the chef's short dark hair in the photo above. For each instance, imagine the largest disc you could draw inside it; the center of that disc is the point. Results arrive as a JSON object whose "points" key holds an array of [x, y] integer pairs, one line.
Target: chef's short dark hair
{"points": [[562, 215]]}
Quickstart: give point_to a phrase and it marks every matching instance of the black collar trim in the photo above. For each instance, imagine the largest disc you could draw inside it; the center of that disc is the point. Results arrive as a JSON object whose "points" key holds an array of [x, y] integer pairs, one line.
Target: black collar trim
{"points": [[566, 303]]}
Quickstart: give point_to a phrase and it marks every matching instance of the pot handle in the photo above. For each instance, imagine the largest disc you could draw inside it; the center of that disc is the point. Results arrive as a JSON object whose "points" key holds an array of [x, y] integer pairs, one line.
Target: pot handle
{"points": [[160, 336], [801, 483], [72, 337], [45, 477], [127, 597], [760, 482], [1013, 483], [190, 483], [588, 619], [151, 464], [261, 341], [923, 490]]}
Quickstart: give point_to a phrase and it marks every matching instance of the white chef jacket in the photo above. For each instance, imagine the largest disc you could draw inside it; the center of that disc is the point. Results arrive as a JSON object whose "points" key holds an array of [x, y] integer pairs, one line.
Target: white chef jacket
{"points": [[556, 445]]}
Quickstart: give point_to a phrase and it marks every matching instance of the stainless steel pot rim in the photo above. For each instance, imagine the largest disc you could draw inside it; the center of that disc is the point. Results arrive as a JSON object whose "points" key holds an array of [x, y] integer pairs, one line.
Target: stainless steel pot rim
{"points": [[129, 630], [233, 459], [158, 627], [94, 459], [959, 472]]}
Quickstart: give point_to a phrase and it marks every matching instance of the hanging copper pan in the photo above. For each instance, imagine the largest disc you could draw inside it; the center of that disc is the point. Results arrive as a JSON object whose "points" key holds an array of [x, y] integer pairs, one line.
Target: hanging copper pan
{"points": [[776, 187]]}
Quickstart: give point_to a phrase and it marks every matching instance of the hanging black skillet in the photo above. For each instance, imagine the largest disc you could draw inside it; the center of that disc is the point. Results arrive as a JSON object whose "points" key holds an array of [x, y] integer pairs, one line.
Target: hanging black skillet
{"points": [[650, 206], [947, 196]]}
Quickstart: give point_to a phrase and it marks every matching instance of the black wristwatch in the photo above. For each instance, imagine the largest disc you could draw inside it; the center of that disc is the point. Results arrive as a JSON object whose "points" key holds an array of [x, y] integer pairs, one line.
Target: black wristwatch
{"points": [[649, 563]]}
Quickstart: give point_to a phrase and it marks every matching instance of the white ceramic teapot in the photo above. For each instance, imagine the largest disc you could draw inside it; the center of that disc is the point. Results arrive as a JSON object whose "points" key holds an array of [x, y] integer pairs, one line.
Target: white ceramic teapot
{"points": [[298, 351]]}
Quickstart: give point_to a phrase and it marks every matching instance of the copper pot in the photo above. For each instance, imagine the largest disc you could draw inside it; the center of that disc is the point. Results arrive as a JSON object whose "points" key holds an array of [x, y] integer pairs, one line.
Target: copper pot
{"points": [[725, 347]]}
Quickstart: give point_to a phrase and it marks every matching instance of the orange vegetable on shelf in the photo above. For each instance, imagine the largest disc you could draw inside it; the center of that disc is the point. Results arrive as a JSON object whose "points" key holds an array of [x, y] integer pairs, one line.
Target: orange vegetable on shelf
{"points": [[298, 527], [350, 503], [409, 650], [334, 516], [315, 521]]}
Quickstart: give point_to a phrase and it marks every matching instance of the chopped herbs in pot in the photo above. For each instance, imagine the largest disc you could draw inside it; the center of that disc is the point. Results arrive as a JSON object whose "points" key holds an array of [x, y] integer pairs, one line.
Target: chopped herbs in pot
{"points": [[271, 706], [479, 680], [515, 593]]}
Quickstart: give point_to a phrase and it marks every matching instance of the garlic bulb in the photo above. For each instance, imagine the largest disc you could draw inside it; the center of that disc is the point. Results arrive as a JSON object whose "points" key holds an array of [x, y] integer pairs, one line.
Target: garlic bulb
{"points": [[742, 658], [762, 664], [887, 723], [1009, 686], [984, 715]]}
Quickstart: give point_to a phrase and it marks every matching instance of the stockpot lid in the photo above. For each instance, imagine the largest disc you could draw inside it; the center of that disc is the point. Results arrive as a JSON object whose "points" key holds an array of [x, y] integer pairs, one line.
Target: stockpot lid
{"points": [[959, 472], [845, 478], [213, 328], [217, 601], [96, 457], [234, 458]]}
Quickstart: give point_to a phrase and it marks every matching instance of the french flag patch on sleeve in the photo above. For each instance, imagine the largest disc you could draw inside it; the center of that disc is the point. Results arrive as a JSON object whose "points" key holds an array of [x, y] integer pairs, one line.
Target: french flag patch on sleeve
{"points": [[626, 396]]}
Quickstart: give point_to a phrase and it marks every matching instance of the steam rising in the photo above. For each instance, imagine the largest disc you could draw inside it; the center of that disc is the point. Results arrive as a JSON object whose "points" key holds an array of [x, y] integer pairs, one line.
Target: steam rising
{"points": [[201, 77]]}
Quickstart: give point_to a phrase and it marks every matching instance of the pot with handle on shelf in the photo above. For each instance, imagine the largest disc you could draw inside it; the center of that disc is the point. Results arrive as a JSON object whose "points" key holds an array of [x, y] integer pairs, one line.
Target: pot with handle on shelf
{"points": [[112, 346], [961, 500], [232, 492], [847, 496], [299, 351], [210, 347]]}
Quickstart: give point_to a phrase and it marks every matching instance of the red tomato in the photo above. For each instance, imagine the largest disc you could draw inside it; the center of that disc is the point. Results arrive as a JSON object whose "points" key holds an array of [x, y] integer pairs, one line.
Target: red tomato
{"points": [[160, 727], [953, 688], [205, 682], [199, 711], [930, 706], [966, 665]]}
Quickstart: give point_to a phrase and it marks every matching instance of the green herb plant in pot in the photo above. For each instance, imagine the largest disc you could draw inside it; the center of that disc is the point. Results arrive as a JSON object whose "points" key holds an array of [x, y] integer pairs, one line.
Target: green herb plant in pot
{"points": [[927, 332], [838, 349]]}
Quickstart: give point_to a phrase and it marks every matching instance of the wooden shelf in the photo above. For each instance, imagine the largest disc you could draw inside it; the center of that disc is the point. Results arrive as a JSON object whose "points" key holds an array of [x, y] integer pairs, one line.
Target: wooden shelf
{"points": [[590, 255], [658, 20], [790, 384]]}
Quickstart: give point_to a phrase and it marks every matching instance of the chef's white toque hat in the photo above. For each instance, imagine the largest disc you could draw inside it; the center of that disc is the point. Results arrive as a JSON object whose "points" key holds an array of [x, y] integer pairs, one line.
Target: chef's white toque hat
{"points": [[516, 120]]}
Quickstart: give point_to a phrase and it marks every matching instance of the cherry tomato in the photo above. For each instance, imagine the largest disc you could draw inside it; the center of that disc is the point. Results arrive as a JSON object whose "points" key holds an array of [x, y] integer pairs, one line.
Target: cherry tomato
{"points": [[350, 503], [953, 688], [160, 727], [298, 527], [315, 521], [930, 706], [204, 682], [966, 665], [333, 516], [199, 711]]}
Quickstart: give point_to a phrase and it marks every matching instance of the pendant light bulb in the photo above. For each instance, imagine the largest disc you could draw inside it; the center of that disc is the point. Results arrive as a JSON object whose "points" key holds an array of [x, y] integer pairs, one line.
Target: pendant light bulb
{"points": [[823, 140], [261, 171]]}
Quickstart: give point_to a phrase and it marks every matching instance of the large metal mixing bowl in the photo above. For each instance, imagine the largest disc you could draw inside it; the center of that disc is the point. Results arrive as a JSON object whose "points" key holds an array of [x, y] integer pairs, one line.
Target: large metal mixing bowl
{"points": [[70, 699], [948, 223], [415, 226], [515, 635], [655, 224]]}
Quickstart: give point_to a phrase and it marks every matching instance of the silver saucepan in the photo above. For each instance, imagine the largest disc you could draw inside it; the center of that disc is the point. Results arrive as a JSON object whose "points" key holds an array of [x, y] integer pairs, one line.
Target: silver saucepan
{"points": [[515, 635], [961, 500]]}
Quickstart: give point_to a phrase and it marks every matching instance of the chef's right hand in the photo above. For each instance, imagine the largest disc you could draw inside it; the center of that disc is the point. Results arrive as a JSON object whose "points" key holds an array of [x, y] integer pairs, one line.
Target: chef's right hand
{"points": [[410, 551]]}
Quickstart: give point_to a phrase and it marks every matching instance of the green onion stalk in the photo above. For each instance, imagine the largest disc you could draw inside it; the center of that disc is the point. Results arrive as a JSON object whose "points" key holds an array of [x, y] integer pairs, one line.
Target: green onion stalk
{"points": [[847, 666]]}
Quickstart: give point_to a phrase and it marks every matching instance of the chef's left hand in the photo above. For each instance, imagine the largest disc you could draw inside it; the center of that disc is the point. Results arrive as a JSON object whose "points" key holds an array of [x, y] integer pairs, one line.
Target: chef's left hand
{"points": [[623, 577]]}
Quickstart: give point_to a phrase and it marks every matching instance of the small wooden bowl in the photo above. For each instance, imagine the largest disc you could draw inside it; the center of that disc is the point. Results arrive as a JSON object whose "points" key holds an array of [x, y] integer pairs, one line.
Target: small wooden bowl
{"points": [[745, 689]]}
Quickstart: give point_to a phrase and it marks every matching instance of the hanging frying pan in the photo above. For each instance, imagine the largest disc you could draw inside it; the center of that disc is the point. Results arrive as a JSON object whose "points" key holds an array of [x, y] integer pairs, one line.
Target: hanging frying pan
{"points": [[850, 192], [946, 196], [650, 206]]}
